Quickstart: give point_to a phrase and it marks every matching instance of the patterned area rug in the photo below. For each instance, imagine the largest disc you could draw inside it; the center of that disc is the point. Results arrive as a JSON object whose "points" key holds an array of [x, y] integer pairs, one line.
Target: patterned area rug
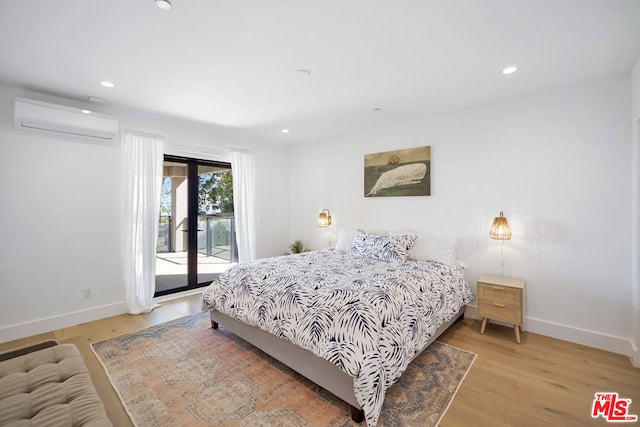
{"points": [[183, 373]]}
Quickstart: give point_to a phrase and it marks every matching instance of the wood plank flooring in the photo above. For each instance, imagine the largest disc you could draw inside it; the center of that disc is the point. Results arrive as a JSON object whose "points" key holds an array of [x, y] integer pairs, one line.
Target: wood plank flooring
{"points": [[541, 382]]}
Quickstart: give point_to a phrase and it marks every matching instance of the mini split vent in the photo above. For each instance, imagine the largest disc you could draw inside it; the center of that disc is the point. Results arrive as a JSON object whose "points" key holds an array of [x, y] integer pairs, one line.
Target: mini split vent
{"points": [[44, 117]]}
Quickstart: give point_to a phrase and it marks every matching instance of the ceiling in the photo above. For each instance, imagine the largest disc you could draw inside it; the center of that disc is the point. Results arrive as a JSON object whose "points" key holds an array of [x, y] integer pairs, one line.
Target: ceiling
{"points": [[233, 63]]}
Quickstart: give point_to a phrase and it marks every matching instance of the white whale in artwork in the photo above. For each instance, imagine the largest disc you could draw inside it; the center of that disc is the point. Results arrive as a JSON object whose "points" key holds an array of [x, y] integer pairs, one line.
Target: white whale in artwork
{"points": [[402, 175]]}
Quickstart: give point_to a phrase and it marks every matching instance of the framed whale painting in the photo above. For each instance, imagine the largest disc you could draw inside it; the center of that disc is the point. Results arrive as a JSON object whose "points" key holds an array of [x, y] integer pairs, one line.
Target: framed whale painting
{"points": [[404, 172]]}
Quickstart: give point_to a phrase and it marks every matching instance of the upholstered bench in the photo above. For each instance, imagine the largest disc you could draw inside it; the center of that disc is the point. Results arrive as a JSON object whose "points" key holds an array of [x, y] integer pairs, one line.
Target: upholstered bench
{"points": [[48, 385]]}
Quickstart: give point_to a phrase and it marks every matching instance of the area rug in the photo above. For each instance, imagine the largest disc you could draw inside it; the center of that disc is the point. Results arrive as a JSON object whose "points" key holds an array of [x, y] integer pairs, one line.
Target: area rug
{"points": [[183, 373]]}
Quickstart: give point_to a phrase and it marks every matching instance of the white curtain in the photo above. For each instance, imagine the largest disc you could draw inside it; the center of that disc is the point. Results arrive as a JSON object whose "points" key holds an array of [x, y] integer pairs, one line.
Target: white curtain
{"points": [[244, 184], [143, 157]]}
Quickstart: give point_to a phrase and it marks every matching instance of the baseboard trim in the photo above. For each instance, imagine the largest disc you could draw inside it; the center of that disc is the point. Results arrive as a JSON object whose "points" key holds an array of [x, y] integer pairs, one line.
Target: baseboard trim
{"points": [[48, 324], [614, 344], [634, 354], [471, 311], [586, 337]]}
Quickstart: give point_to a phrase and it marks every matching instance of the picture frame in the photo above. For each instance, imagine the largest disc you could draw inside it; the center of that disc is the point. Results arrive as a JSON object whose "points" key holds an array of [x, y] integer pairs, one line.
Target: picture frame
{"points": [[405, 172]]}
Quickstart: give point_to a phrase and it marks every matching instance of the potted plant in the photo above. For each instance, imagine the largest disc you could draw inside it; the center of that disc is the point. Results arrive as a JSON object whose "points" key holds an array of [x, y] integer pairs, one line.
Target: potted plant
{"points": [[297, 248]]}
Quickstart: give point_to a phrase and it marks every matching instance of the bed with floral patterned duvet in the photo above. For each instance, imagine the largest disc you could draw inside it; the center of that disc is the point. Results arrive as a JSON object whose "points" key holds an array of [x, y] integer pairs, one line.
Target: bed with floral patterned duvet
{"points": [[368, 317]]}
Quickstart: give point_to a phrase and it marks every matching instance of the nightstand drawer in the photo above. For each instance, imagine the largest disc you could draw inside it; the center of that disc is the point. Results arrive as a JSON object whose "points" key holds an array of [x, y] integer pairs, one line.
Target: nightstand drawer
{"points": [[499, 293], [501, 298], [509, 313]]}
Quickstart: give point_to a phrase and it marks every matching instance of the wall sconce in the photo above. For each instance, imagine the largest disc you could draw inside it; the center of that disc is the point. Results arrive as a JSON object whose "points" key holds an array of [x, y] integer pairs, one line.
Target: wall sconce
{"points": [[324, 219], [500, 230]]}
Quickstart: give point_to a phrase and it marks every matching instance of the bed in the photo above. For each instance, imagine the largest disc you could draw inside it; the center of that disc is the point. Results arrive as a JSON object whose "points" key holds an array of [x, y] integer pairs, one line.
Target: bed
{"points": [[351, 321]]}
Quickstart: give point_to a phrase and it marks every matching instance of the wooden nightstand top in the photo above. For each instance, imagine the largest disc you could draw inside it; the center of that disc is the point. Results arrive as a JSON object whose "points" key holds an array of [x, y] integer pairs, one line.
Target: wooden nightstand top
{"points": [[502, 281]]}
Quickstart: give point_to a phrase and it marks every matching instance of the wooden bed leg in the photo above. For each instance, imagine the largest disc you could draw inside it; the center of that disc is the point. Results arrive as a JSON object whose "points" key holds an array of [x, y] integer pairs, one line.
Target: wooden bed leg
{"points": [[357, 415], [214, 325]]}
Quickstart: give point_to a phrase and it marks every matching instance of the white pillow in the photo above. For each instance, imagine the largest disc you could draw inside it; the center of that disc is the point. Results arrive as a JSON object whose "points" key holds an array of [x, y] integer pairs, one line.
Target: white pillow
{"points": [[433, 248], [345, 239]]}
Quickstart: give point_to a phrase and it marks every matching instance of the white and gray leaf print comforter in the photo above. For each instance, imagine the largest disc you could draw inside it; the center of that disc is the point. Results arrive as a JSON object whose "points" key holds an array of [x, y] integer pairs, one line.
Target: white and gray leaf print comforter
{"points": [[368, 317]]}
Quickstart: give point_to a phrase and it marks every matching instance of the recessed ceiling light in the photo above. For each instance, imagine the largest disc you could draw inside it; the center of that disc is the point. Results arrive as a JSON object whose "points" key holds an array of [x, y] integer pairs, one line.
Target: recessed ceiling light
{"points": [[510, 70], [303, 72], [86, 111], [285, 130], [106, 83], [163, 4]]}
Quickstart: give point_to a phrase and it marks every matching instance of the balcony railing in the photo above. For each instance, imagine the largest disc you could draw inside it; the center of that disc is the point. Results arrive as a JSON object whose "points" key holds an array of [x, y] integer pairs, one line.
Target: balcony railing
{"points": [[165, 243], [216, 236]]}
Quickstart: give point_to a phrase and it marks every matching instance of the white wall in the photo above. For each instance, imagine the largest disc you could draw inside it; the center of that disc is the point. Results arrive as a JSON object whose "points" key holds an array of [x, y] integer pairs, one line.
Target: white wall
{"points": [[635, 212], [557, 164], [61, 214]]}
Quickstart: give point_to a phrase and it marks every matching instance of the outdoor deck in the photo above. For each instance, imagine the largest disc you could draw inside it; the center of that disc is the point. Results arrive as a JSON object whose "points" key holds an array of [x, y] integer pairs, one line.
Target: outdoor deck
{"points": [[171, 268]]}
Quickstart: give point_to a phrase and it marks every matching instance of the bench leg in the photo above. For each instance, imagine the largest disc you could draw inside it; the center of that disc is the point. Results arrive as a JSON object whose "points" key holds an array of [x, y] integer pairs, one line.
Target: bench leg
{"points": [[214, 325]]}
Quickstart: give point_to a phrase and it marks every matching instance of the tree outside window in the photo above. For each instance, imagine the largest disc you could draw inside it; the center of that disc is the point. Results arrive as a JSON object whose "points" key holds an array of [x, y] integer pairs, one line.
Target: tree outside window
{"points": [[215, 194]]}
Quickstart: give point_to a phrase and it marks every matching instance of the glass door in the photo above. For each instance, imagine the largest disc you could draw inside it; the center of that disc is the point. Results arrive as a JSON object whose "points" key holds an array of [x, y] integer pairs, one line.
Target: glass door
{"points": [[196, 233], [172, 247], [216, 226]]}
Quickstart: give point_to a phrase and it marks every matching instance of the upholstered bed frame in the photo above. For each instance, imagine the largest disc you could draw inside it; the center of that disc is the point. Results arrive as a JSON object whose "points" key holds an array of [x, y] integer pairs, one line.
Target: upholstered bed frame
{"points": [[323, 373]]}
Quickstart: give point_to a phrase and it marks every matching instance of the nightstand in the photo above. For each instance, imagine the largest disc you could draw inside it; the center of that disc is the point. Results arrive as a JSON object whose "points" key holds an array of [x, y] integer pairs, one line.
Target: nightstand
{"points": [[502, 299]]}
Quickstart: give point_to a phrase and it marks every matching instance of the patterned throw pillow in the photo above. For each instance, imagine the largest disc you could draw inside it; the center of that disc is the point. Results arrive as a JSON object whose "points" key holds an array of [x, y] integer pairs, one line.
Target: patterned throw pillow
{"points": [[382, 248]]}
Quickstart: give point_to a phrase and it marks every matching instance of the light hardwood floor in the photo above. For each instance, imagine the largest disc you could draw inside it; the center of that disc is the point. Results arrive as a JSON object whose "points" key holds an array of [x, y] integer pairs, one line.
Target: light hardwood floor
{"points": [[542, 381]]}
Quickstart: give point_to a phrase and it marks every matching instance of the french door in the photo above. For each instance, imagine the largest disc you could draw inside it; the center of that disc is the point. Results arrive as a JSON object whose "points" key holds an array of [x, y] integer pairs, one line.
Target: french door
{"points": [[196, 233]]}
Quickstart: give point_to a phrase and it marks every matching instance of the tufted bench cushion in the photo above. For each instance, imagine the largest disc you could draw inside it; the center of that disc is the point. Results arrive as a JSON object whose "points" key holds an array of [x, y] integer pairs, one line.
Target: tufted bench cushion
{"points": [[49, 387]]}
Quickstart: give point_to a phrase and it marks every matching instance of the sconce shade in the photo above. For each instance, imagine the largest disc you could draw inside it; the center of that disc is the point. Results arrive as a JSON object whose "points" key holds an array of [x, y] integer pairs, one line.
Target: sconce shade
{"points": [[500, 228], [324, 219]]}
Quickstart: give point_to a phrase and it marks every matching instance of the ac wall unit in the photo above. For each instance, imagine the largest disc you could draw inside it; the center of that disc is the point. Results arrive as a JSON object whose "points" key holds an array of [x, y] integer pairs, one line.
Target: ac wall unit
{"points": [[63, 121]]}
